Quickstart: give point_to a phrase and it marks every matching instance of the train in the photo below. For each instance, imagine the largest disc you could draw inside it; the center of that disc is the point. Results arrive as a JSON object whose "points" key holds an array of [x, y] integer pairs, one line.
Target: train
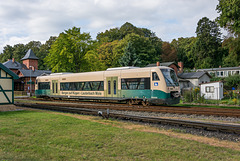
{"points": [[132, 85]]}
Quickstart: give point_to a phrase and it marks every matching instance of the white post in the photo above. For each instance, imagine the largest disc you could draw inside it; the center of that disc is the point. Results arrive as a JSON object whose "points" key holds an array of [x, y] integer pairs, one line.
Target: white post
{"points": [[30, 81]]}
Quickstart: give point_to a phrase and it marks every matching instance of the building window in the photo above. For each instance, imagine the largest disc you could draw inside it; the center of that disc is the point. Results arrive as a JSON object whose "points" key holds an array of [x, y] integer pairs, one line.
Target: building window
{"points": [[209, 89], [229, 73]]}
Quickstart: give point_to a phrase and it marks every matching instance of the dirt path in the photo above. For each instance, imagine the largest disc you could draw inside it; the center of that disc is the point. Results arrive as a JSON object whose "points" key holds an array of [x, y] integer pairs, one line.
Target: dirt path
{"points": [[9, 108]]}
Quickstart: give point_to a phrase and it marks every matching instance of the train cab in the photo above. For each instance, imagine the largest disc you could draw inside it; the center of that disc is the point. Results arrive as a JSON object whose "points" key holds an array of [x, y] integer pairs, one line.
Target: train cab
{"points": [[165, 86]]}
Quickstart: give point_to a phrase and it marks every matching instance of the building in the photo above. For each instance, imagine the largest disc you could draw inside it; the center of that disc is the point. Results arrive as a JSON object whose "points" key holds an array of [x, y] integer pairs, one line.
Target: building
{"points": [[27, 72], [7, 78], [172, 65], [212, 90], [193, 79], [222, 72]]}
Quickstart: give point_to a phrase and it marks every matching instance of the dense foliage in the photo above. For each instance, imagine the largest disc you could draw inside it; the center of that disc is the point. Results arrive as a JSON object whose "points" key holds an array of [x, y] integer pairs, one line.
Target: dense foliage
{"points": [[68, 51], [229, 15]]}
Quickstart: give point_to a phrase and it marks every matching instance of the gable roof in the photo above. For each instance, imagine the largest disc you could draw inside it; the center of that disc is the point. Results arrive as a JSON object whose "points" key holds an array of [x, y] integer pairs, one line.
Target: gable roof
{"points": [[14, 65], [167, 64], [15, 76], [30, 55], [193, 75], [220, 69], [28, 73]]}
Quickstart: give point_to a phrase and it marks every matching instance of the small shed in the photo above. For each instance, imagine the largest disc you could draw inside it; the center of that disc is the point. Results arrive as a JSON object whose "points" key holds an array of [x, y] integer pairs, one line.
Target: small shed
{"points": [[212, 90], [6, 85]]}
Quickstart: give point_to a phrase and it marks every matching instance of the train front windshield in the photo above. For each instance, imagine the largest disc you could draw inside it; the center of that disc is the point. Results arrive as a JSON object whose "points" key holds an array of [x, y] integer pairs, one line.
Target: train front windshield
{"points": [[170, 77]]}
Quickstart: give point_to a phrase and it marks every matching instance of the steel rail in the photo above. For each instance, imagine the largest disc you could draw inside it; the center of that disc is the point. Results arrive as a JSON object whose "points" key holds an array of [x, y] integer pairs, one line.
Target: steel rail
{"points": [[229, 128], [162, 109]]}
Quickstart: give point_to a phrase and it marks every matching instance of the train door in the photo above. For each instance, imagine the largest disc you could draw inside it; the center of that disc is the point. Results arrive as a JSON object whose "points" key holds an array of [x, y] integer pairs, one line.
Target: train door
{"points": [[155, 83], [55, 90], [112, 86]]}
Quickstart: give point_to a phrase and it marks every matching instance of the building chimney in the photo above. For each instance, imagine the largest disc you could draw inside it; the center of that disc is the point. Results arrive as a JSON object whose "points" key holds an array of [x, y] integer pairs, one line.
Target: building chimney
{"points": [[158, 64], [180, 64], [13, 60]]}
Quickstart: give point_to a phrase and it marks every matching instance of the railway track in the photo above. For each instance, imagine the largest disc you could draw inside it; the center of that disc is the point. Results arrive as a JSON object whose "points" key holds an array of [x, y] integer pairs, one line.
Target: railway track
{"points": [[229, 128], [161, 109]]}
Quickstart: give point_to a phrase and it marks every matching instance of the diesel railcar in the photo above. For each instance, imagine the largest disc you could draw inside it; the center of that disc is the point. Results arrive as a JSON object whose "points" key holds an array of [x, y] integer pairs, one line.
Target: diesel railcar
{"points": [[155, 85]]}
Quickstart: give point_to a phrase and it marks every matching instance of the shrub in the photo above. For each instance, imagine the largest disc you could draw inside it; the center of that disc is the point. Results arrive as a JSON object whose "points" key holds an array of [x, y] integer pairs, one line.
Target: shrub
{"points": [[235, 101]]}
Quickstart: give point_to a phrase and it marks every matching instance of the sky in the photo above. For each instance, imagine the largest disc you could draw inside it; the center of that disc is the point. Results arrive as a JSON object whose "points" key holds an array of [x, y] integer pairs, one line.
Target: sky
{"points": [[22, 21]]}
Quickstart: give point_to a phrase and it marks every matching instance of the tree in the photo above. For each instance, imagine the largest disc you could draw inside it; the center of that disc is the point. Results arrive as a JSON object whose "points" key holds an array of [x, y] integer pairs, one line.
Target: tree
{"points": [[108, 55], [144, 48], [169, 53], [185, 51], [129, 57], [233, 81], [93, 62], [207, 49], [68, 51], [232, 56], [229, 15], [124, 30], [7, 53], [43, 52], [19, 52]]}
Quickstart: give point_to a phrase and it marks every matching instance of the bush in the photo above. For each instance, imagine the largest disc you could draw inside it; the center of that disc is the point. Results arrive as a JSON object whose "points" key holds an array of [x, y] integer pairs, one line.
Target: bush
{"points": [[187, 96], [193, 96], [235, 101]]}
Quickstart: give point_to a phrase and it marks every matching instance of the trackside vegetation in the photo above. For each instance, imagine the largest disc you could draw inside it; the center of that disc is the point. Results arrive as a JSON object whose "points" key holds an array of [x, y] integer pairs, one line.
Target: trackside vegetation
{"points": [[37, 135]]}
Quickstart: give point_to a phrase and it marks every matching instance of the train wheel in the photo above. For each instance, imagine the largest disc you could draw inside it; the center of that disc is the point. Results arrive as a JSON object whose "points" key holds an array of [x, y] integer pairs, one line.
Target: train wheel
{"points": [[145, 103], [130, 102]]}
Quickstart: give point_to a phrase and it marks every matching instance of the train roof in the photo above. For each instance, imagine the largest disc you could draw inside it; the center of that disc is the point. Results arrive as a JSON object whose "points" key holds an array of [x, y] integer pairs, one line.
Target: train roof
{"points": [[108, 70]]}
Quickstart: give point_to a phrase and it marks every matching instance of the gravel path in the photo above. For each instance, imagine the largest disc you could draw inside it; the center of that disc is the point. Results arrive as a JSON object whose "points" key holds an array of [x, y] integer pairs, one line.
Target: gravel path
{"points": [[201, 132], [182, 116], [4, 108]]}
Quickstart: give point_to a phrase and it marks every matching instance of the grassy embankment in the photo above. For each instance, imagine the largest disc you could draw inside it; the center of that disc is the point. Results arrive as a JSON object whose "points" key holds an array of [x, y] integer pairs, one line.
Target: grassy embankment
{"points": [[41, 135]]}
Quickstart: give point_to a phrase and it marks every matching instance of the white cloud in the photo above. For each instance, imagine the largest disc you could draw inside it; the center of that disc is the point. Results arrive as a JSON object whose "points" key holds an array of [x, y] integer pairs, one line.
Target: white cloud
{"points": [[27, 20]]}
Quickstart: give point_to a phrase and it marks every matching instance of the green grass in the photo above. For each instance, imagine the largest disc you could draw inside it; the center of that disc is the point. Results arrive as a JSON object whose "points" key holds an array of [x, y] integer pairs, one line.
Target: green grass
{"points": [[213, 104], [32, 135]]}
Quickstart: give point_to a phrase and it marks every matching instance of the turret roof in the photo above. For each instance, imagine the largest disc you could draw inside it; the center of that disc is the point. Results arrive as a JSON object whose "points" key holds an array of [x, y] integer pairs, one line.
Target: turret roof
{"points": [[30, 55]]}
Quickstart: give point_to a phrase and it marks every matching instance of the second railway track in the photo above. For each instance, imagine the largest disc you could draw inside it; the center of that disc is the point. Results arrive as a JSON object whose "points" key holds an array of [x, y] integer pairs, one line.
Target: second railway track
{"points": [[161, 109]]}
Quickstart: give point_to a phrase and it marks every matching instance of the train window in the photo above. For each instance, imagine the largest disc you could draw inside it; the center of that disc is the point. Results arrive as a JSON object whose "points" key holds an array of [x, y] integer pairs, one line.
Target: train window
{"points": [[82, 86], [44, 85], [109, 87], [135, 83], [87, 86], [95, 85], [155, 76], [114, 87], [72, 86], [101, 86], [79, 85]]}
